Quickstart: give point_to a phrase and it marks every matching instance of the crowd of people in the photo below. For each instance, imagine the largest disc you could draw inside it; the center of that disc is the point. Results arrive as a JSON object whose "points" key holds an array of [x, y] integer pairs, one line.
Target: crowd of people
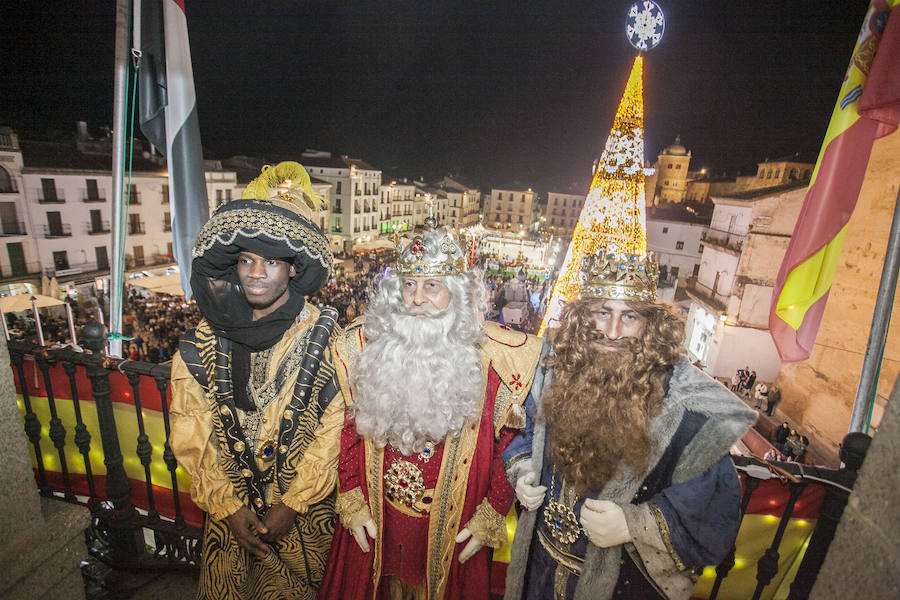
{"points": [[765, 397], [154, 323], [788, 444]]}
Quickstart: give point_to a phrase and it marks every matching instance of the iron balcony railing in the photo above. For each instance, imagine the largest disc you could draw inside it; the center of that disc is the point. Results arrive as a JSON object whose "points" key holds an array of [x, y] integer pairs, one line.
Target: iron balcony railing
{"points": [[142, 516], [88, 196], [723, 239], [137, 507], [136, 228], [55, 197], [12, 228], [57, 231], [96, 228]]}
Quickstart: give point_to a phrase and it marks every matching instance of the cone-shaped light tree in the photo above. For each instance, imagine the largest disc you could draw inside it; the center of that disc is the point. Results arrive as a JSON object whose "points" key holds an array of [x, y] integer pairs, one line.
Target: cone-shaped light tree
{"points": [[613, 216]]}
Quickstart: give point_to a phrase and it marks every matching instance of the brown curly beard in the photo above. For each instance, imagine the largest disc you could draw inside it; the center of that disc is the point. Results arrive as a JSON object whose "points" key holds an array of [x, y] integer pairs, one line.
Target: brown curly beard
{"points": [[600, 403]]}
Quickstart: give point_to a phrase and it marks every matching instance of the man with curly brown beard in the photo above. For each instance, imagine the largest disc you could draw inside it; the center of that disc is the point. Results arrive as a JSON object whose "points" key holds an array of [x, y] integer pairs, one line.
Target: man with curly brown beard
{"points": [[622, 471]]}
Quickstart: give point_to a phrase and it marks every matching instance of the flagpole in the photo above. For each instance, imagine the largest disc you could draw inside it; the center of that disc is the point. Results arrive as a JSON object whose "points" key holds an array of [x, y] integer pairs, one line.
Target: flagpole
{"points": [[118, 186], [884, 304]]}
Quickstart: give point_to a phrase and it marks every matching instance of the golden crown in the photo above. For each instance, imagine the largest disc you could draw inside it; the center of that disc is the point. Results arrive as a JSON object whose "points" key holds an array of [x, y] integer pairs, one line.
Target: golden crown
{"points": [[432, 254], [620, 277]]}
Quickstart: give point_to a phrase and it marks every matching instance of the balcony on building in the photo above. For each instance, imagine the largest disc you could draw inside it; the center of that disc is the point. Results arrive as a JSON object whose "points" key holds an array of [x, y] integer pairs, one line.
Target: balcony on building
{"points": [[12, 228], [136, 228], [706, 296], [167, 225], [88, 196], [723, 240], [134, 197], [57, 231], [57, 197], [97, 227]]}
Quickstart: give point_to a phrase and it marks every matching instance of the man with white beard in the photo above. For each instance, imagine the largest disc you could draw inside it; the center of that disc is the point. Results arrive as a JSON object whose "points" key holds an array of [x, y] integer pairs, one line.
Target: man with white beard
{"points": [[434, 395]]}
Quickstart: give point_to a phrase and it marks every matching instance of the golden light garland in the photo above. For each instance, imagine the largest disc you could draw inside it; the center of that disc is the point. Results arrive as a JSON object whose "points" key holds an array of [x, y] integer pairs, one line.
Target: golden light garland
{"points": [[613, 217]]}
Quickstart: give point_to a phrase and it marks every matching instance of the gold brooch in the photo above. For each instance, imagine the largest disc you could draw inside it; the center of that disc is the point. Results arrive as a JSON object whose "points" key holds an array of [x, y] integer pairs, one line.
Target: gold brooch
{"points": [[559, 518], [404, 483]]}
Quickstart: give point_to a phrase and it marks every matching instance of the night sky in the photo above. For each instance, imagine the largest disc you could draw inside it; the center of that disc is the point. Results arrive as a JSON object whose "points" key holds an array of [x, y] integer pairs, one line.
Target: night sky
{"points": [[497, 93]]}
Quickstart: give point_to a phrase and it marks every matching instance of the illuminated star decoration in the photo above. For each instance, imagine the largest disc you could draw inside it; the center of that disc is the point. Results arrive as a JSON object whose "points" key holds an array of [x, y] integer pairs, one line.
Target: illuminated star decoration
{"points": [[645, 25]]}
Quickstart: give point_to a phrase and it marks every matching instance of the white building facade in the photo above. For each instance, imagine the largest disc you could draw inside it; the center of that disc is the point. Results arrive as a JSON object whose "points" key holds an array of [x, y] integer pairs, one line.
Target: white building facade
{"points": [[462, 202], [562, 214], [355, 209], [400, 199], [509, 210], [727, 325], [677, 244], [57, 222]]}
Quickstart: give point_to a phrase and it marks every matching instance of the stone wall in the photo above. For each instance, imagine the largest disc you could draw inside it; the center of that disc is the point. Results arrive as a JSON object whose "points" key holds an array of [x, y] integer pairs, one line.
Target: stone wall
{"points": [[818, 394], [863, 557]]}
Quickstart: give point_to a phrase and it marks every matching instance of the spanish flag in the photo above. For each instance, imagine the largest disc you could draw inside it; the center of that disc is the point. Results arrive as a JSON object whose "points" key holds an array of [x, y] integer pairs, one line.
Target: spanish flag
{"points": [[868, 107]]}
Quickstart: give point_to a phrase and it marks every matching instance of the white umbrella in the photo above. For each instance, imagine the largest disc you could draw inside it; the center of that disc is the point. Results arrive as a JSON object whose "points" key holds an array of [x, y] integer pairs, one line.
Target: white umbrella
{"points": [[156, 282], [31, 302], [23, 302]]}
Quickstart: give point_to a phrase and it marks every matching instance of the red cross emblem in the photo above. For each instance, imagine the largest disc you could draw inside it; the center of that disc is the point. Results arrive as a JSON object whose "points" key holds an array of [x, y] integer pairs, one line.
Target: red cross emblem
{"points": [[516, 381]]}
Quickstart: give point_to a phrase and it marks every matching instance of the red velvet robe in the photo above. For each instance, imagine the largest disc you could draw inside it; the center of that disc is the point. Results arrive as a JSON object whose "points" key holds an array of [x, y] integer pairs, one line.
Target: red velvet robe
{"points": [[479, 473]]}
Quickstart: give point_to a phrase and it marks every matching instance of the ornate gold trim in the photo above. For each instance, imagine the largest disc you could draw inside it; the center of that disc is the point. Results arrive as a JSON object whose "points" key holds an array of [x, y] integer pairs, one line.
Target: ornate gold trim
{"points": [[375, 477], [224, 227], [515, 460], [666, 535], [352, 509], [450, 499], [569, 561], [487, 525]]}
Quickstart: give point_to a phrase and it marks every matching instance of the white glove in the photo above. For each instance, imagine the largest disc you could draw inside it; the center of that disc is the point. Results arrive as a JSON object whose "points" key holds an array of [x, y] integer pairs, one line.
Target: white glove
{"points": [[359, 534], [530, 496], [471, 548], [604, 523]]}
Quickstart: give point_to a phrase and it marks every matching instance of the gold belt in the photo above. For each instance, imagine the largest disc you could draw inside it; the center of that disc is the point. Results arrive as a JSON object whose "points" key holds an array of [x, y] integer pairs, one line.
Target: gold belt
{"points": [[564, 559]]}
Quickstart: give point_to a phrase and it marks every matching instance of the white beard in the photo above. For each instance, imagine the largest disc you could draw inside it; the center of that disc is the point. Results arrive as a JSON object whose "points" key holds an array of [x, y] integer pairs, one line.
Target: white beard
{"points": [[417, 382]]}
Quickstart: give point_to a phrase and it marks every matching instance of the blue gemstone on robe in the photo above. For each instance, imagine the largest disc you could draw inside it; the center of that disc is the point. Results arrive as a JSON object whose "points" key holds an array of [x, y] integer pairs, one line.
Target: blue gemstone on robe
{"points": [[268, 451]]}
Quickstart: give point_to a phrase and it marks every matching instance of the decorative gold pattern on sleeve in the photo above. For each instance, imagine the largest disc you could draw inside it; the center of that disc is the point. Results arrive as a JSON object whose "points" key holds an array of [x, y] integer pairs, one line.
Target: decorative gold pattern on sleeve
{"points": [[666, 535], [352, 509], [487, 525]]}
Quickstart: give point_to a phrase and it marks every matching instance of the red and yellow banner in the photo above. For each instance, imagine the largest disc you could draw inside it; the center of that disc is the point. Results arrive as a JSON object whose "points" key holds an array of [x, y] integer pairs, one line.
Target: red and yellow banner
{"points": [[868, 107], [126, 427]]}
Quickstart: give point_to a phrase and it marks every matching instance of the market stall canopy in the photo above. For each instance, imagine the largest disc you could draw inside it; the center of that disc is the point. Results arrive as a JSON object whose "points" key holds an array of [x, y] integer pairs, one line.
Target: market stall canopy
{"points": [[23, 302], [163, 284], [373, 245]]}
